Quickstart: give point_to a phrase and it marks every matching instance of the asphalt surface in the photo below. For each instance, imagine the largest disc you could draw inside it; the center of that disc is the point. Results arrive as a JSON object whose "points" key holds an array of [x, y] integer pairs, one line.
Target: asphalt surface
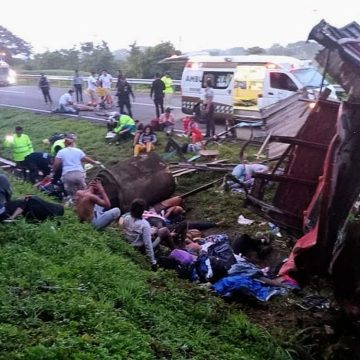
{"points": [[30, 98]]}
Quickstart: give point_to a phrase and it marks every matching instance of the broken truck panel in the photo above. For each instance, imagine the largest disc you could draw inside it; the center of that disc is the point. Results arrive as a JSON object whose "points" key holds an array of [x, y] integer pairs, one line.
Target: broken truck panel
{"points": [[146, 177], [332, 243], [286, 122], [337, 190], [303, 163], [341, 55]]}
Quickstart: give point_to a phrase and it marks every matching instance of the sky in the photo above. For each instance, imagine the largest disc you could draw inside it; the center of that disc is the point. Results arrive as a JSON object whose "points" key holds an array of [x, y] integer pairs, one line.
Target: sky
{"points": [[191, 25]]}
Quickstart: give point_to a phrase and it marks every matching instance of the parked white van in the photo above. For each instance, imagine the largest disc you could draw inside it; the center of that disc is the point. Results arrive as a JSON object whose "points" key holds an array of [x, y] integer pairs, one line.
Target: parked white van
{"points": [[244, 84]]}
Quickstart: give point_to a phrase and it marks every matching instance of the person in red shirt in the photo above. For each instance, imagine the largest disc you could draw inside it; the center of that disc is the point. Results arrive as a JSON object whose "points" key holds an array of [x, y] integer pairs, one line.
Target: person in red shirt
{"points": [[194, 131]]}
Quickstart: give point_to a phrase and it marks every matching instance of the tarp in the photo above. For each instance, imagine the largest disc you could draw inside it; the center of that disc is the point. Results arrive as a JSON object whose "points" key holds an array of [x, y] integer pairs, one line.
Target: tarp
{"points": [[146, 177]]}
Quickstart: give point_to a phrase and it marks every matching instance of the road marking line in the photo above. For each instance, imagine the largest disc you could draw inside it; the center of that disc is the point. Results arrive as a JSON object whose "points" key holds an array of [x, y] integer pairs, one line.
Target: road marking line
{"points": [[13, 91], [49, 112]]}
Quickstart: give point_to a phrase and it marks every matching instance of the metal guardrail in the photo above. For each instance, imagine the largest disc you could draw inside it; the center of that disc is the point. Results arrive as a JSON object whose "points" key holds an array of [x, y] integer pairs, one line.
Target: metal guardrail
{"points": [[70, 78]]}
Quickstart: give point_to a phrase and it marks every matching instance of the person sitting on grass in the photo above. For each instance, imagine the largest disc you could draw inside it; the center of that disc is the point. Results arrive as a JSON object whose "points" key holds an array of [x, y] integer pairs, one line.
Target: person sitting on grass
{"points": [[194, 132], [137, 231], [91, 204], [146, 141], [167, 121], [139, 131]]}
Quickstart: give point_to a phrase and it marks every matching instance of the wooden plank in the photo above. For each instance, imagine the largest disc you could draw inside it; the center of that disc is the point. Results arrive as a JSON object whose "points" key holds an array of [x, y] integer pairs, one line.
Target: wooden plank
{"points": [[188, 171], [264, 144], [7, 162]]}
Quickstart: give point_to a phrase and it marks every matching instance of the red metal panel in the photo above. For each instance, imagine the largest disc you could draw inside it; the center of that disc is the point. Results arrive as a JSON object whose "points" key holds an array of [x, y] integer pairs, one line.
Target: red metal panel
{"points": [[306, 162]]}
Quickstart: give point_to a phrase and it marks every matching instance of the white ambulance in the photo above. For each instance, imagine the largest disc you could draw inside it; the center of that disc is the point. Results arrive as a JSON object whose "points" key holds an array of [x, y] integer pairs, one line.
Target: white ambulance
{"points": [[244, 84], [7, 75]]}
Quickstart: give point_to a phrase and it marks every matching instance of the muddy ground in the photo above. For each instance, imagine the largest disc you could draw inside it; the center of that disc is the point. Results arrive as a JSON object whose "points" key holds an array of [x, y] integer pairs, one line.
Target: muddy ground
{"points": [[310, 334]]}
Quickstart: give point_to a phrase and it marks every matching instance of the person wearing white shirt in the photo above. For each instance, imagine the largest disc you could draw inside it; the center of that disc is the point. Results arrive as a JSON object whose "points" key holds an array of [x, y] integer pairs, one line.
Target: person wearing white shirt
{"points": [[105, 80], [66, 103], [92, 89], [73, 173]]}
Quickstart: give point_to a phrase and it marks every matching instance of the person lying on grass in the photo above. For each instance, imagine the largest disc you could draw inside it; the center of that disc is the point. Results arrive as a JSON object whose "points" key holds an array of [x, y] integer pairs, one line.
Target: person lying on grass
{"points": [[91, 204], [31, 208]]}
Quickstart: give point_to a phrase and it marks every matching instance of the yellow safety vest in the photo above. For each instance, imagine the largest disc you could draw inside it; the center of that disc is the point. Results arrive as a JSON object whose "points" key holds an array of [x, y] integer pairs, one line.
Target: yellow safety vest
{"points": [[168, 85], [60, 142], [21, 146]]}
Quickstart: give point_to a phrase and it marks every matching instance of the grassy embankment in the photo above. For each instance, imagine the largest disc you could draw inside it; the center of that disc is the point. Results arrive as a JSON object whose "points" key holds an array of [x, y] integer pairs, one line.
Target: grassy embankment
{"points": [[67, 292]]}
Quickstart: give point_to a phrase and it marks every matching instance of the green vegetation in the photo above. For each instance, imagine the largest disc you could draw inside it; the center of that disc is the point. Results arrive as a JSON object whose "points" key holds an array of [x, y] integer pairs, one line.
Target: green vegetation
{"points": [[68, 292]]}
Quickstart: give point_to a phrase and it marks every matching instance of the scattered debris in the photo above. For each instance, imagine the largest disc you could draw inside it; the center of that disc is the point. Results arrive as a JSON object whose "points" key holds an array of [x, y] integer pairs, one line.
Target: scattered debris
{"points": [[244, 221], [311, 302]]}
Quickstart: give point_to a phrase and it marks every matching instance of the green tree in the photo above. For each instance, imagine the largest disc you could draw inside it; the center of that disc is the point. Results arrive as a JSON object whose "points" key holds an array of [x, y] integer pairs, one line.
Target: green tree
{"points": [[49, 60], [96, 58], [156, 53], [11, 44], [71, 58], [255, 50], [85, 57], [134, 62], [277, 49], [144, 63]]}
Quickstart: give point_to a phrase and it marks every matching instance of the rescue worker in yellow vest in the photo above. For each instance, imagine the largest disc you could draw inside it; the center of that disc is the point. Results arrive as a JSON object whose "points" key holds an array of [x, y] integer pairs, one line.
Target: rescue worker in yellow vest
{"points": [[56, 146], [21, 147], [124, 129], [169, 89]]}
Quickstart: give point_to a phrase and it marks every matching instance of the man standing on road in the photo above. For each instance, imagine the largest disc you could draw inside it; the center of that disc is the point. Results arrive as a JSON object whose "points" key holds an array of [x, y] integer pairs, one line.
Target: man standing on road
{"points": [[169, 89], [105, 81], [77, 82], [209, 109], [44, 86], [157, 94], [92, 89], [124, 91]]}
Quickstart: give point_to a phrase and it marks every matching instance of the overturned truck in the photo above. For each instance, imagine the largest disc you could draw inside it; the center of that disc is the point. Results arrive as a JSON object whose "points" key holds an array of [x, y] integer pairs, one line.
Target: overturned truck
{"points": [[321, 182]]}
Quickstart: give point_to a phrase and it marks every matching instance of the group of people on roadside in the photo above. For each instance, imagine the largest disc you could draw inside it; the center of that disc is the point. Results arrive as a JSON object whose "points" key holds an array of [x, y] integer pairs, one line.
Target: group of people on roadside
{"points": [[65, 162], [99, 92], [143, 227]]}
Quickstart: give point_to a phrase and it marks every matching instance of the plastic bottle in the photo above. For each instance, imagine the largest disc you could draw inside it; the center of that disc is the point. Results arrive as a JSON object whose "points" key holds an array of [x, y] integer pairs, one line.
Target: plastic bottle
{"points": [[274, 229]]}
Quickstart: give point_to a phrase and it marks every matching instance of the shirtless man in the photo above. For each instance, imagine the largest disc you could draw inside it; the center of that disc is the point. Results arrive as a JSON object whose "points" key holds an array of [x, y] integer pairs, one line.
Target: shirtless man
{"points": [[90, 205]]}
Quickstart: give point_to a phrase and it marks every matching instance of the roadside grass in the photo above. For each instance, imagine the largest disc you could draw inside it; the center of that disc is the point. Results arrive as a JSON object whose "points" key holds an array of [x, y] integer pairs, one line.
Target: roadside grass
{"points": [[68, 292], [90, 136], [209, 205]]}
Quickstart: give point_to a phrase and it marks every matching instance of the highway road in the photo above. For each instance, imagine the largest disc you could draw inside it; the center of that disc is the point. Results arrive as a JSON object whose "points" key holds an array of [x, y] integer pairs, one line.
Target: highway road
{"points": [[30, 98]]}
